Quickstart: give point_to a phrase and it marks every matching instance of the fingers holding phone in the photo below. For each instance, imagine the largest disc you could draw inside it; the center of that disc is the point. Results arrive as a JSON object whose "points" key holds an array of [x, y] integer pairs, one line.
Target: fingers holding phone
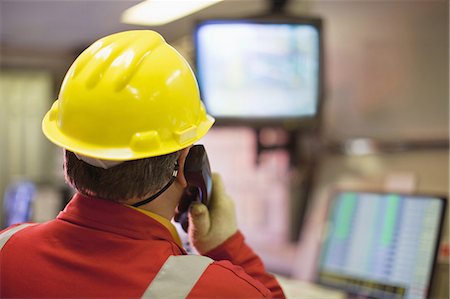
{"points": [[211, 226]]}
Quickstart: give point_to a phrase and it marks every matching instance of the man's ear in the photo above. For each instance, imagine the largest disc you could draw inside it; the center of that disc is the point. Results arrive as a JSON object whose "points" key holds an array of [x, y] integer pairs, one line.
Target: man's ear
{"points": [[181, 160]]}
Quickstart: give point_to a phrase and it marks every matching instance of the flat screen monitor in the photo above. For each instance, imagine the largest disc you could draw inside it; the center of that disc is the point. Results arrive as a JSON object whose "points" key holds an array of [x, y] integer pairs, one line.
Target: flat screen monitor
{"points": [[382, 245], [267, 70]]}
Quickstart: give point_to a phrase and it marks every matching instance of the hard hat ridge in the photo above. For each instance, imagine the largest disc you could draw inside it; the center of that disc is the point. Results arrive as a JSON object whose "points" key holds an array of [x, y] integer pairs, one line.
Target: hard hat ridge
{"points": [[128, 96], [119, 54]]}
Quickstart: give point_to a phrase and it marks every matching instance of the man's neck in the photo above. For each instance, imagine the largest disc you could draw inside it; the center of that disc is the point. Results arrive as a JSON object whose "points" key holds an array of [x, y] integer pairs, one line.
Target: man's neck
{"points": [[165, 204]]}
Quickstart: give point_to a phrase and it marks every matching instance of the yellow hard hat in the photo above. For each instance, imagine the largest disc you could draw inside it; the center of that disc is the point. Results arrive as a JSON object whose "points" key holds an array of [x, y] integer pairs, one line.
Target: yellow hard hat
{"points": [[128, 96]]}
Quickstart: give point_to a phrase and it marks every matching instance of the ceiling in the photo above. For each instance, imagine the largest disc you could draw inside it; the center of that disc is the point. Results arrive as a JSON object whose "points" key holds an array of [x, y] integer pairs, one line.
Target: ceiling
{"points": [[67, 25]]}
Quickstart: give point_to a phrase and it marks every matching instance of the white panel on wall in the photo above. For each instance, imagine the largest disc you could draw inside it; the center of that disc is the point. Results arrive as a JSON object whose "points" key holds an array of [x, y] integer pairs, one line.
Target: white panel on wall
{"points": [[24, 99]]}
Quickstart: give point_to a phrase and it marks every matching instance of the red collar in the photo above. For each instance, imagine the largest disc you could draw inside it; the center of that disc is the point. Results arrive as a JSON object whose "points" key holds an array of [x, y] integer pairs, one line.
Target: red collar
{"points": [[115, 218]]}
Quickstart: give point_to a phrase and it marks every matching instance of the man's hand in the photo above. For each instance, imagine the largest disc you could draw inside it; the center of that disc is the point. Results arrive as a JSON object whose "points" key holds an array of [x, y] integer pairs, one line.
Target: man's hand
{"points": [[210, 227]]}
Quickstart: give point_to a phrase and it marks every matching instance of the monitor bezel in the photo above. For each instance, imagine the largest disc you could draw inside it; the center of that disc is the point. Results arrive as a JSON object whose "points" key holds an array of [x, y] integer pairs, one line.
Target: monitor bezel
{"points": [[310, 122], [332, 197]]}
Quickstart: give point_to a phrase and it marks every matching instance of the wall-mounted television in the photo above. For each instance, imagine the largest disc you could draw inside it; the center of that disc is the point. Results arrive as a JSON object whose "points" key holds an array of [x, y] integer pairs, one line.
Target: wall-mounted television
{"points": [[260, 71]]}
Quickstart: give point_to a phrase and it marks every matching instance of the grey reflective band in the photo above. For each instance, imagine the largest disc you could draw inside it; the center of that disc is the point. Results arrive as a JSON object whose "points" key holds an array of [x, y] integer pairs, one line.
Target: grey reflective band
{"points": [[4, 237], [177, 277]]}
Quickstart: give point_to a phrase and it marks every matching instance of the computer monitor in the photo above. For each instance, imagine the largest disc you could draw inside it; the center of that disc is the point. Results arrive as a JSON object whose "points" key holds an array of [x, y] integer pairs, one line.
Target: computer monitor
{"points": [[260, 70], [381, 245], [17, 202]]}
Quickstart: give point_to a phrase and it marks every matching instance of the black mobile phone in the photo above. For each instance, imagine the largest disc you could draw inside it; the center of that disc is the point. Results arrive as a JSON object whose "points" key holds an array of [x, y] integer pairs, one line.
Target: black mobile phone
{"points": [[198, 176]]}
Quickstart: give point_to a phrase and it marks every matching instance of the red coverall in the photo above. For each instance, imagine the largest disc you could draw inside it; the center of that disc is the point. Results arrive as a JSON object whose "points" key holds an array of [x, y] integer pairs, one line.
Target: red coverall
{"points": [[98, 248]]}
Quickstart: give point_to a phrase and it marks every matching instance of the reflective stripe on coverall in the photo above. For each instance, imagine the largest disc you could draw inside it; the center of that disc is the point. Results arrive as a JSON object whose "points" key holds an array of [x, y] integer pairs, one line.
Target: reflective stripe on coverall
{"points": [[183, 270]]}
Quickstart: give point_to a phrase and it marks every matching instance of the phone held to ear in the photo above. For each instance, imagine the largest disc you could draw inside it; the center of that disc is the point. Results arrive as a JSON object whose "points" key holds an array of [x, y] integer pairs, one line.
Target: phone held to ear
{"points": [[199, 183]]}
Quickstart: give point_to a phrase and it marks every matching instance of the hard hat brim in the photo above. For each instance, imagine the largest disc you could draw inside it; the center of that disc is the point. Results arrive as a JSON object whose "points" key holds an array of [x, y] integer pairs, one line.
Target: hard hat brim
{"points": [[52, 131]]}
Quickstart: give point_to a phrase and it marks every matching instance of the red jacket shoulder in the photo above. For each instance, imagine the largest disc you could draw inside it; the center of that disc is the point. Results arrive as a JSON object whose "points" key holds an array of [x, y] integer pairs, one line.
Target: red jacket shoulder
{"points": [[222, 279]]}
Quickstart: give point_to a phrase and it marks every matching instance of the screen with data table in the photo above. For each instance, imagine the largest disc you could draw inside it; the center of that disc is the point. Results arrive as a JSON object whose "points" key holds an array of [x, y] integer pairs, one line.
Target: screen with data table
{"points": [[381, 245]]}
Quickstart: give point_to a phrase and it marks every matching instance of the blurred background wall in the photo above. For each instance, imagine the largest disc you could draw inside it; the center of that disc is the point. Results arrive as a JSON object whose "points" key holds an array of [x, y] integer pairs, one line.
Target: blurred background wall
{"points": [[386, 80]]}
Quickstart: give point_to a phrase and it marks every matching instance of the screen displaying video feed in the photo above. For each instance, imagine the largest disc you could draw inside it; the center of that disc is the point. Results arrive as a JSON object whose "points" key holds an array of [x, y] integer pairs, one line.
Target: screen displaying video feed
{"points": [[258, 70]]}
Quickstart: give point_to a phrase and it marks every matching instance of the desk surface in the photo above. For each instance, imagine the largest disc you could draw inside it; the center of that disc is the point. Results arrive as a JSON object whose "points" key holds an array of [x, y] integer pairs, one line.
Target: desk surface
{"points": [[297, 289]]}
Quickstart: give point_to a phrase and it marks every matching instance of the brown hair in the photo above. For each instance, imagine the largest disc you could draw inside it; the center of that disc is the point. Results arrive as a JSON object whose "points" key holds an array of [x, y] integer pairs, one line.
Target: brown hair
{"points": [[130, 179]]}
